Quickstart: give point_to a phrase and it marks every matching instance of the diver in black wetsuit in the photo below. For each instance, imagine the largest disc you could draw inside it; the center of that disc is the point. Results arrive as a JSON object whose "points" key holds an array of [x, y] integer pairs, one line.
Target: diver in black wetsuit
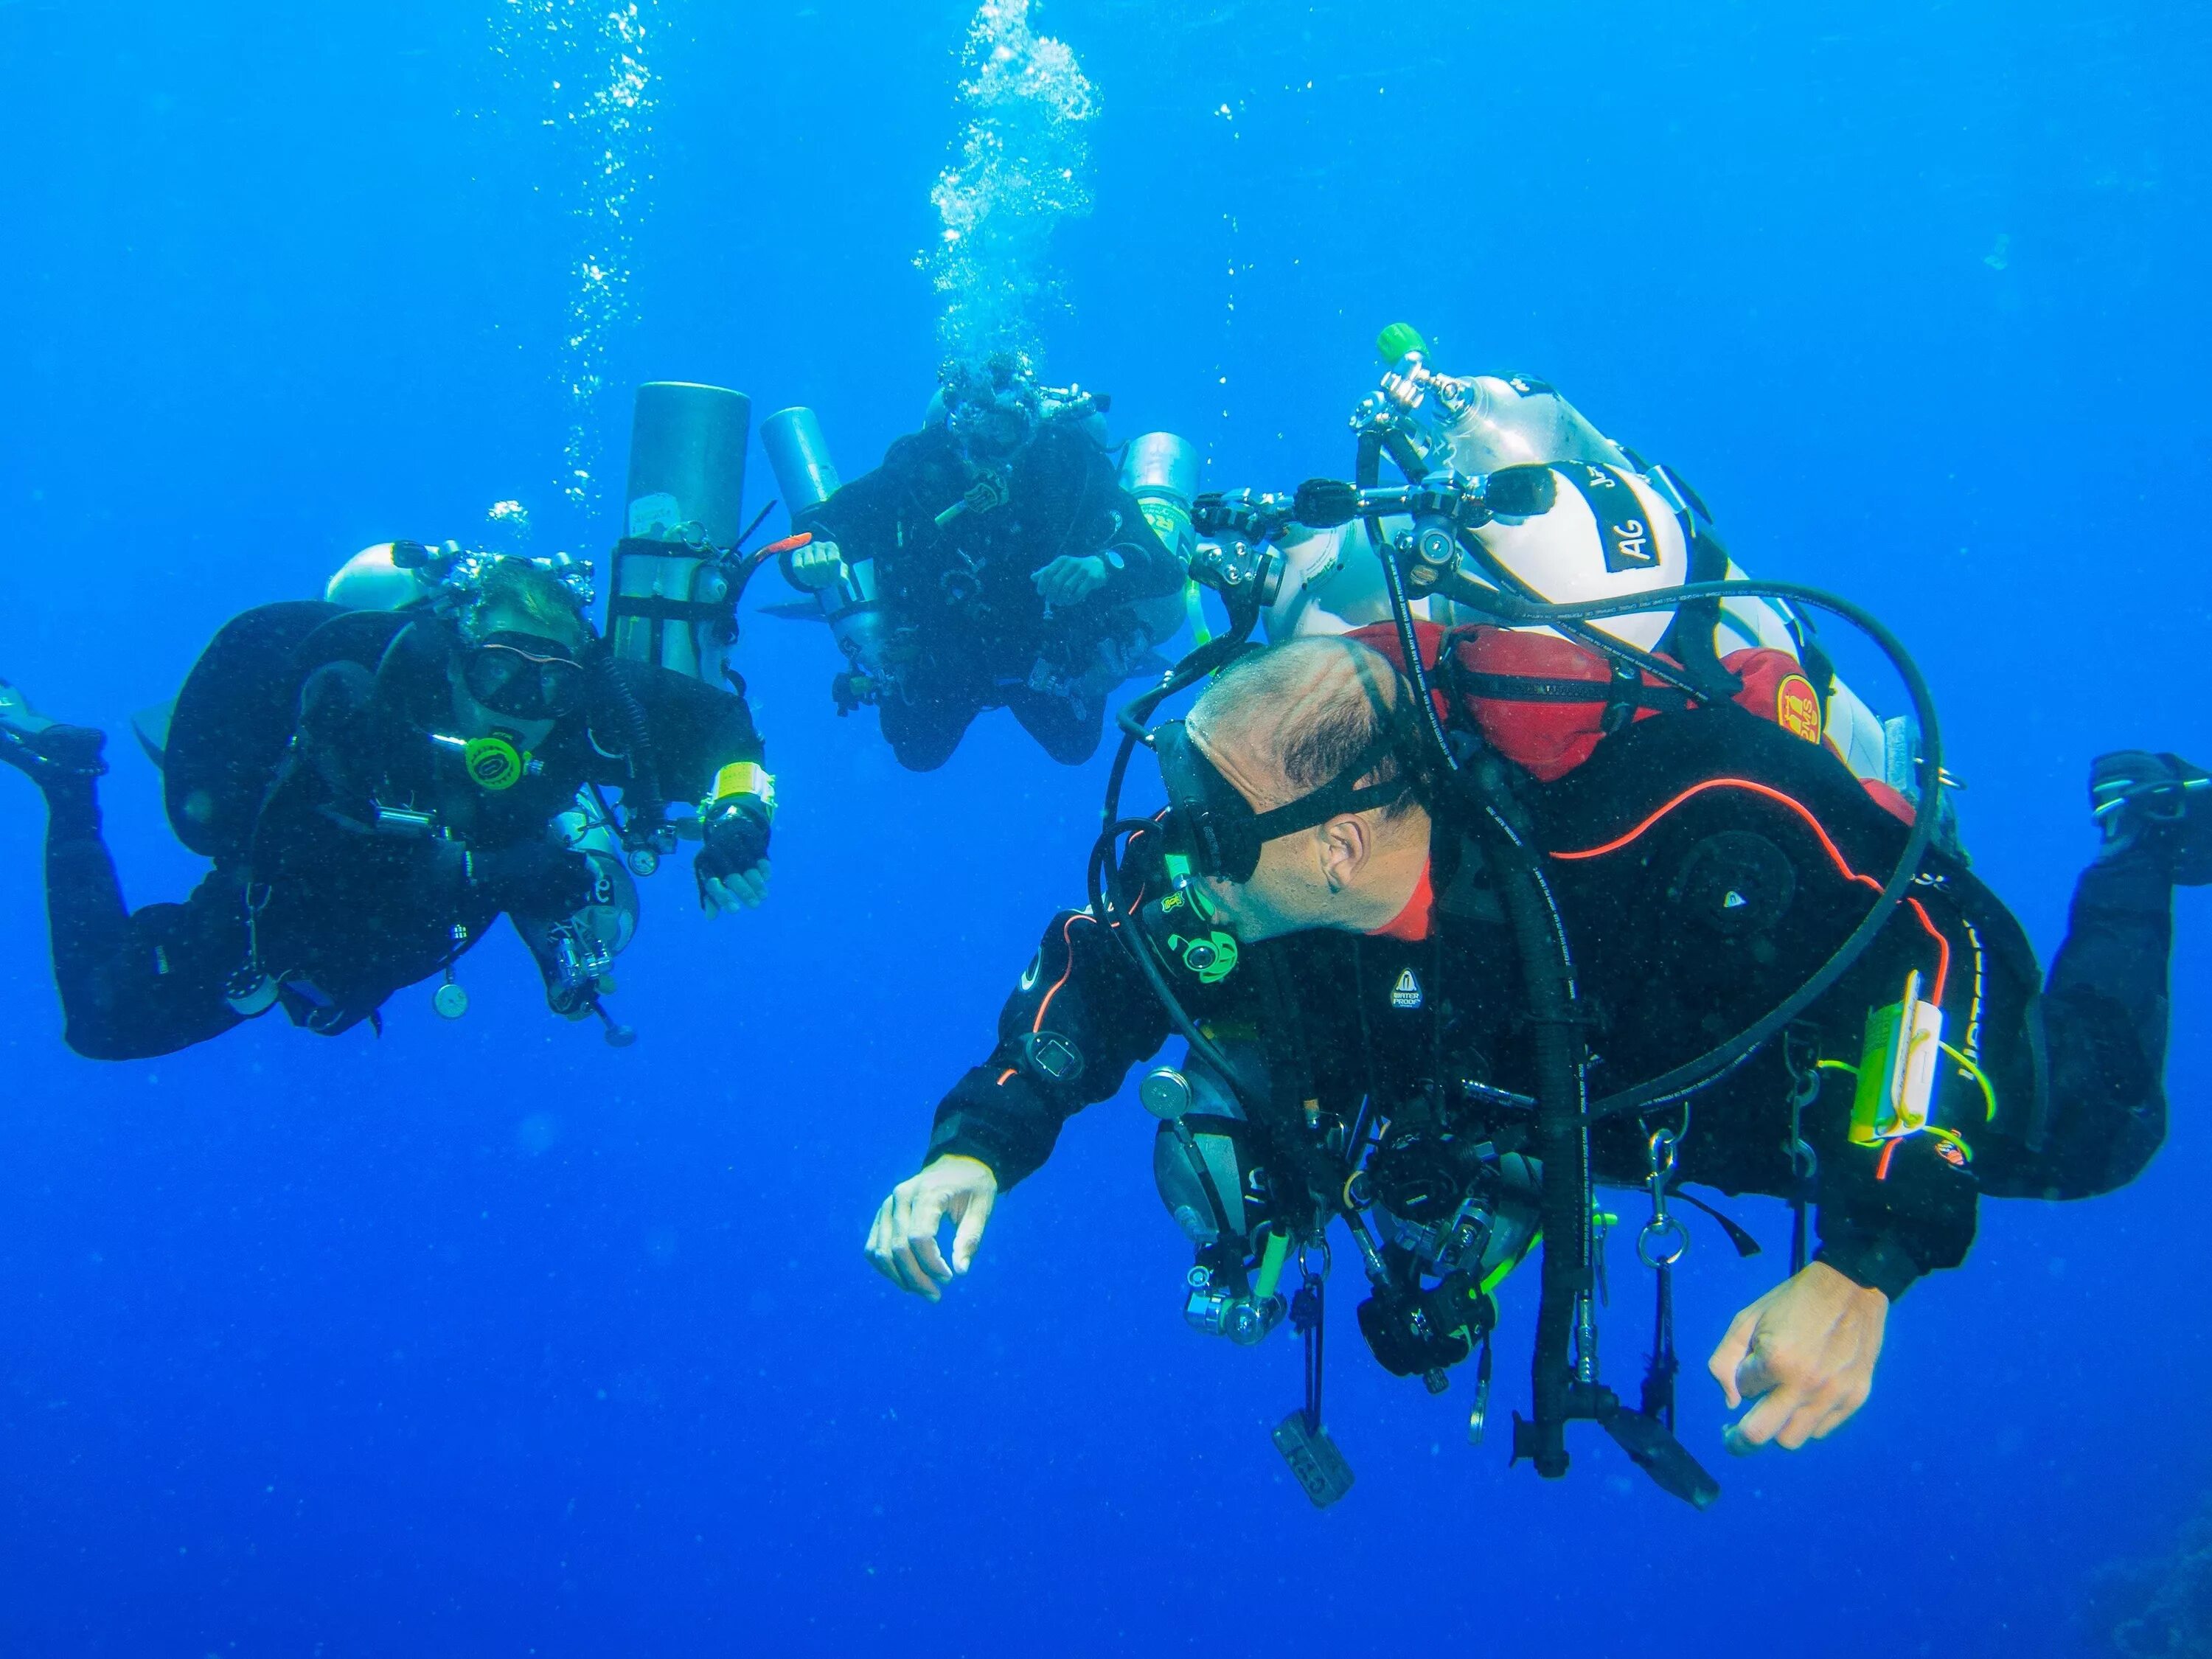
{"points": [[1351, 963], [1007, 556], [375, 789]]}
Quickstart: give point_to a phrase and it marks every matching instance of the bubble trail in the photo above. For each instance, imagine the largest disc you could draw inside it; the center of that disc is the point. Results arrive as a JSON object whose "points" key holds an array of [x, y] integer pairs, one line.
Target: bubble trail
{"points": [[588, 59], [1023, 165]]}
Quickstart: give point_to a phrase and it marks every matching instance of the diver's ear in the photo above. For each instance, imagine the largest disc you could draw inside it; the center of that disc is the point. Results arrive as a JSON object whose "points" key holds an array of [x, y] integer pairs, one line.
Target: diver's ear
{"points": [[1347, 844]]}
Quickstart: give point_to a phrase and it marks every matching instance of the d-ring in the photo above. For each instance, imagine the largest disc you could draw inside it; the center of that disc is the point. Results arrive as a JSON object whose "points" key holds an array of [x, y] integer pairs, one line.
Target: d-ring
{"points": [[1662, 1243]]}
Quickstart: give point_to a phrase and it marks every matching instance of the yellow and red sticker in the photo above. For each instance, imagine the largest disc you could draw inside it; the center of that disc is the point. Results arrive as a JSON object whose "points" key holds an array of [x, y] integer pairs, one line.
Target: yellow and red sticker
{"points": [[1797, 707]]}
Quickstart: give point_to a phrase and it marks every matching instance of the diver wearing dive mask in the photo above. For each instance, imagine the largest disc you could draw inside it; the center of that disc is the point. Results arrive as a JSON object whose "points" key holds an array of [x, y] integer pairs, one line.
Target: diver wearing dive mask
{"points": [[524, 677], [1212, 841], [375, 789], [1395, 1081], [1004, 565], [1210, 822]]}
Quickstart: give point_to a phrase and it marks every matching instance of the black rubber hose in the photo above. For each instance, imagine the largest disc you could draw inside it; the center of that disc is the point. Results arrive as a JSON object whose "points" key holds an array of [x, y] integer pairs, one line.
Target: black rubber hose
{"points": [[1101, 906], [1562, 1138], [1694, 1075], [649, 806], [1367, 468]]}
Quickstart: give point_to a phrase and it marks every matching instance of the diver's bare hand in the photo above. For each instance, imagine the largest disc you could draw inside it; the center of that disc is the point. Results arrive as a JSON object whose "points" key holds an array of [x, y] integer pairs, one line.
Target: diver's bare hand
{"points": [[1069, 581], [741, 889], [902, 1243], [1808, 1347], [816, 565]]}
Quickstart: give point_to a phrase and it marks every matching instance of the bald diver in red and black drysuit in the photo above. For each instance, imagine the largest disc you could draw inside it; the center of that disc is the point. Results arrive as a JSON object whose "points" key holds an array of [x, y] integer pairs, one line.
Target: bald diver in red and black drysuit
{"points": [[1350, 936], [375, 788]]}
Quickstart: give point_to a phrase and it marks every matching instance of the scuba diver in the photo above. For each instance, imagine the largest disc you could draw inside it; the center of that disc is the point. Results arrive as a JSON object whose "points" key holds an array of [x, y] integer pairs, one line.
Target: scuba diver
{"points": [[994, 560], [375, 789], [1453, 944], [377, 777]]}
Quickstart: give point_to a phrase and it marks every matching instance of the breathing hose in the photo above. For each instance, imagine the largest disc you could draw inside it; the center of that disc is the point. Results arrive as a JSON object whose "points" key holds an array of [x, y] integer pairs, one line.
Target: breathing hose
{"points": [[1692, 1074], [1564, 1111]]}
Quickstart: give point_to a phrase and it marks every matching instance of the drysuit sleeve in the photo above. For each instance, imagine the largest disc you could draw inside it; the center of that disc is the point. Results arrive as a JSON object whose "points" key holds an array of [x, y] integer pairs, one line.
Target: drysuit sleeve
{"points": [[1104, 521], [1884, 1221], [863, 516], [1080, 997], [690, 730], [1140, 565], [2077, 1076]]}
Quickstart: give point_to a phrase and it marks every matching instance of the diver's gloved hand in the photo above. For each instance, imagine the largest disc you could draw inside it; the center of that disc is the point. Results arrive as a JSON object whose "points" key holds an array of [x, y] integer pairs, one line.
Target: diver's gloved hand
{"points": [[535, 878], [1805, 1351], [2161, 803], [732, 866], [903, 1241], [1069, 581], [47, 750], [815, 565]]}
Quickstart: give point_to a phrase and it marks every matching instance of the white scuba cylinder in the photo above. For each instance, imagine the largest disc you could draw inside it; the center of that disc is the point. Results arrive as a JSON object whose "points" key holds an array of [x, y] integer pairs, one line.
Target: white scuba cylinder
{"points": [[805, 477], [1607, 535], [1332, 578], [668, 601], [372, 581], [1161, 470], [1512, 421]]}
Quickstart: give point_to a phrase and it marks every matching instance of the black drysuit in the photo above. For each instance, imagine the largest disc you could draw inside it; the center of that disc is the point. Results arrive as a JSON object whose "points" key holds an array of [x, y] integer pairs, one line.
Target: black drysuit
{"points": [[1433, 1028], [969, 630], [298, 724]]}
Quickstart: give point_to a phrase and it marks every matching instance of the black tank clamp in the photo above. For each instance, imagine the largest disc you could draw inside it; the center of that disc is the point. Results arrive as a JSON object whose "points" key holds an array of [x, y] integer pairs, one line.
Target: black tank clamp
{"points": [[1650, 1443], [1646, 1434]]}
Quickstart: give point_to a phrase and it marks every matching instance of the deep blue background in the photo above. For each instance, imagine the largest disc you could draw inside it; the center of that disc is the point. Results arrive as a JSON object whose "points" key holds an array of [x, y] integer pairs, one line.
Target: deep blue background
{"points": [[484, 1339]]}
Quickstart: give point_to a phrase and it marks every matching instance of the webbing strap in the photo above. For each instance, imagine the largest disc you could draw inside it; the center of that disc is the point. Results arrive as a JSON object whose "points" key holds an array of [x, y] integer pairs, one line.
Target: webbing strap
{"points": [[1531, 688], [1624, 526]]}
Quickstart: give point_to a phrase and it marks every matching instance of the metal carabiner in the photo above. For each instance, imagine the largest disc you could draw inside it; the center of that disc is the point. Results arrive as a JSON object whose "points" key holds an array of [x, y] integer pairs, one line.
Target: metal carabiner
{"points": [[1313, 1243], [1663, 1239]]}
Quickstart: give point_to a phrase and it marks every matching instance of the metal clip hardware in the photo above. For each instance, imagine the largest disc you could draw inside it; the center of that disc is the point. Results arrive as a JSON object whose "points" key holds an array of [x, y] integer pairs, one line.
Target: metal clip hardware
{"points": [[1664, 1238]]}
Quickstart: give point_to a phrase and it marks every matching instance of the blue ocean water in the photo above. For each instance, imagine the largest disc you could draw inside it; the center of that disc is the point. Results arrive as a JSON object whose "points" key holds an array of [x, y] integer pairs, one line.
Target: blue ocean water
{"points": [[484, 1339]]}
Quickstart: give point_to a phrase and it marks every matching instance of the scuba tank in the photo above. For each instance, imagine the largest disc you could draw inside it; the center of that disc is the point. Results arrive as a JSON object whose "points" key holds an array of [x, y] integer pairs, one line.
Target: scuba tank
{"points": [[1480, 423], [1161, 470], [1331, 579], [805, 477], [373, 579], [1206, 1164], [669, 602]]}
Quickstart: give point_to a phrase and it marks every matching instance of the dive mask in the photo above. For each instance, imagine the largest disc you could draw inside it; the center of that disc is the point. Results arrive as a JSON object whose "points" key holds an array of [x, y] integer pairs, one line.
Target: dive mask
{"points": [[523, 676], [1211, 824], [993, 424]]}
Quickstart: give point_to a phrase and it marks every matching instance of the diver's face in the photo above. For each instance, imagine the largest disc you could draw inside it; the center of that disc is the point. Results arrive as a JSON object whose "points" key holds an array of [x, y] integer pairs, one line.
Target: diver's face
{"points": [[1290, 891], [993, 431], [1296, 884], [474, 719]]}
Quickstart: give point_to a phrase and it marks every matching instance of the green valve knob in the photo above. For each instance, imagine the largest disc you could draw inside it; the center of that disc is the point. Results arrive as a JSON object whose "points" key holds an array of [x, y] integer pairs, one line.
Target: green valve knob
{"points": [[1397, 340]]}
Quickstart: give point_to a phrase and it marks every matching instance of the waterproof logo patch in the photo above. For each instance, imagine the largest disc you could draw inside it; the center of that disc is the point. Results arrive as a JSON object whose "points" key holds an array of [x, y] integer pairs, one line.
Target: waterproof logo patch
{"points": [[989, 491], [1797, 707], [1406, 992]]}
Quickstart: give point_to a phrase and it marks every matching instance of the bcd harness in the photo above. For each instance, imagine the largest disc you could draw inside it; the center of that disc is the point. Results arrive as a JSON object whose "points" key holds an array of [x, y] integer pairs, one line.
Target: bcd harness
{"points": [[1466, 702]]}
